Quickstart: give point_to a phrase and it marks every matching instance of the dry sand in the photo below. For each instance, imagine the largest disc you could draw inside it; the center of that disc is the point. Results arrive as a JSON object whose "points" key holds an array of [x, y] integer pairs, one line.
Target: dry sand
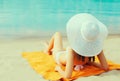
{"points": [[15, 68]]}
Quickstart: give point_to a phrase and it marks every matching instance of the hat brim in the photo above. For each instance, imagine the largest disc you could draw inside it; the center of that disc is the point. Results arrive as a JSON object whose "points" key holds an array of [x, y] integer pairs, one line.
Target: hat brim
{"points": [[82, 46], [86, 48]]}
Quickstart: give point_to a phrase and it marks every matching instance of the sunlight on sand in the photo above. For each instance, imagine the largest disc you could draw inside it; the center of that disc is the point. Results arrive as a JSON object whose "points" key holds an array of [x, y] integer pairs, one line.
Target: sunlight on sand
{"points": [[15, 68]]}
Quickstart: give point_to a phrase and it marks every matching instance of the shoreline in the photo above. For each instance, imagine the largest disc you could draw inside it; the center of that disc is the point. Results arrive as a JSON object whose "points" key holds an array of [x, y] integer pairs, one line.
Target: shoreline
{"points": [[46, 37]]}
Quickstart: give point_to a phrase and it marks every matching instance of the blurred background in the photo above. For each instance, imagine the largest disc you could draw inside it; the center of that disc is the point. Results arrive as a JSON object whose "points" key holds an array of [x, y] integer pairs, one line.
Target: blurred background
{"points": [[41, 18]]}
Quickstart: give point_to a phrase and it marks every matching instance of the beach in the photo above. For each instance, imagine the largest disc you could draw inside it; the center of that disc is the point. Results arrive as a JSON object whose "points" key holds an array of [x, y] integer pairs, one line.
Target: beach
{"points": [[13, 67]]}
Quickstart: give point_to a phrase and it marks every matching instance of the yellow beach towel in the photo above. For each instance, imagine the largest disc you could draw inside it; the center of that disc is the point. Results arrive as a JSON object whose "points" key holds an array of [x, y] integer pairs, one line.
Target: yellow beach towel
{"points": [[44, 65]]}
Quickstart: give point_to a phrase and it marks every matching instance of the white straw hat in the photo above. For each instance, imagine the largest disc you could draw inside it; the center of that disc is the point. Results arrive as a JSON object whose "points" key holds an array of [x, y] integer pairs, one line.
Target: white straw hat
{"points": [[86, 34]]}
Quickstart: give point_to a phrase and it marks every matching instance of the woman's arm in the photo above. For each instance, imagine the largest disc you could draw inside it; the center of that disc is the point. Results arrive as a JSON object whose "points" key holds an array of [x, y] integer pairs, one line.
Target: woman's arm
{"points": [[103, 63], [69, 65]]}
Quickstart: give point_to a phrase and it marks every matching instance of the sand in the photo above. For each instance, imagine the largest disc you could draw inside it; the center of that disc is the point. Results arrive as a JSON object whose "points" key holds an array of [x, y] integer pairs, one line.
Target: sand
{"points": [[15, 68]]}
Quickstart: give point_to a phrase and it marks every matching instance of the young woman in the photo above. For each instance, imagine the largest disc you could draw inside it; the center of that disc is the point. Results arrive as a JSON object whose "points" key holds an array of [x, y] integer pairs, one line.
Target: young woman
{"points": [[85, 35]]}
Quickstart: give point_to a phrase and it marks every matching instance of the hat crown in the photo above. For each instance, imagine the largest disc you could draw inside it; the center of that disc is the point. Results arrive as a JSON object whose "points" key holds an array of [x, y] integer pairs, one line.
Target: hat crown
{"points": [[90, 31], [86, 34]]}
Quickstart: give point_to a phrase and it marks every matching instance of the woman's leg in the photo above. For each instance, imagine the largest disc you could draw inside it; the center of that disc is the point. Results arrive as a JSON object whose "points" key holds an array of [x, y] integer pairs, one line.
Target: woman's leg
{"points": [[55, 43]]}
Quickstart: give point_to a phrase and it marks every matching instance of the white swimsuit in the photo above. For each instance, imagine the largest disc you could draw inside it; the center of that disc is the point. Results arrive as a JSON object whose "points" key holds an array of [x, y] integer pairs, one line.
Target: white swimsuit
{"points": [[57, 56]]}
